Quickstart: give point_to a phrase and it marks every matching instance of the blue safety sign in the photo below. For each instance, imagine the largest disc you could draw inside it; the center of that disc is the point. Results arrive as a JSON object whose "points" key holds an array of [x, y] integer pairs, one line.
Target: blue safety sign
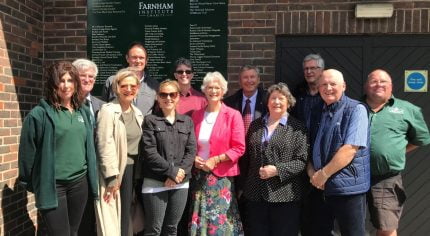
{"points": [[416, 80]]}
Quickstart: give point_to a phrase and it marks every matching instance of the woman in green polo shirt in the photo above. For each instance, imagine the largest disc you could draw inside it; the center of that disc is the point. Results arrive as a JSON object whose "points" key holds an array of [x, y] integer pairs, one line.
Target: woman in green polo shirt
{"points": [[57, 159]]}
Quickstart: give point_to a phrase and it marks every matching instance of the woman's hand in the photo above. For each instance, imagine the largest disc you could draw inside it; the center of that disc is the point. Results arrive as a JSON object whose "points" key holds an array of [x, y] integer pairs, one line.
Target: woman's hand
{"points": [[180, 175], [110, 192], [170, 183], [268, 171], [210, 164], [199, 162]]}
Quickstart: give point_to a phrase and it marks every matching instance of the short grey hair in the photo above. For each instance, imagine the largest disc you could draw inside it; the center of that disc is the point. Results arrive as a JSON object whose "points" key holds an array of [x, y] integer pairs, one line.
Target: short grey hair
{"points": [[215, 77], [83, 64], [284, 90], [249, 67], [316, 57]]}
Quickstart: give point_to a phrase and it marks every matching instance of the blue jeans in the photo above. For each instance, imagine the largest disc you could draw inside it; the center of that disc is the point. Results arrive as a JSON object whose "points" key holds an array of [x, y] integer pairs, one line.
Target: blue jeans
{"points": [[349, 211]]}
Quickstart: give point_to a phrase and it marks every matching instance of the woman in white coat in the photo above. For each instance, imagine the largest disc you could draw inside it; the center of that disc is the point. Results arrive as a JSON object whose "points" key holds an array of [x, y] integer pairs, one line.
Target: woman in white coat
{"points": [[118, 136]]}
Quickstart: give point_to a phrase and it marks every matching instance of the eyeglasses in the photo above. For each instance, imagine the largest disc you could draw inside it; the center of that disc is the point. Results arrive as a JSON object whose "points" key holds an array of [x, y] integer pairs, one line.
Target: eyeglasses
{"points": [[171, 95], [311, 68], [381, 83], [184, 71]]}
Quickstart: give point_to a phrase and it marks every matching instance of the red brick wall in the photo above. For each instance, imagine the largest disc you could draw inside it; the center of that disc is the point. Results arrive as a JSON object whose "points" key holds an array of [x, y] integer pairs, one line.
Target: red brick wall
{"points": [[65, 35], [21, 38], [34, 32]]}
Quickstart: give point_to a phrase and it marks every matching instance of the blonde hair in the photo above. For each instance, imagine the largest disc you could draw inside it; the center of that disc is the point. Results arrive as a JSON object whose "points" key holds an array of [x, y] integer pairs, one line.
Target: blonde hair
{"points": [[169, 82], [121, 75]]}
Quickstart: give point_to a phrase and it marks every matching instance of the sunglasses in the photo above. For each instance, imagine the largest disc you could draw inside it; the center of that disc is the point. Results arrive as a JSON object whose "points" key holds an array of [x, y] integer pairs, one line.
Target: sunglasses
{"points": [[182, 72], [165, 95], [126, 86]]}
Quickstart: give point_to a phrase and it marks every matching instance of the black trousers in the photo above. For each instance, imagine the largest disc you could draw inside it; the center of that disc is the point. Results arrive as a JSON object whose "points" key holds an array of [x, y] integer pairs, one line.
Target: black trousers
{"points": [[266, 218], [163, 210], [66, 218], [126, 191], [88, 222]]}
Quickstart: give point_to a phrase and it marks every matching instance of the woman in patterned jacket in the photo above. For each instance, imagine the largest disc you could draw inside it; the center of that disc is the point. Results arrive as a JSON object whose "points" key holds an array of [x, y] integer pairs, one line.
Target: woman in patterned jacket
{"points": [[276, 155]]}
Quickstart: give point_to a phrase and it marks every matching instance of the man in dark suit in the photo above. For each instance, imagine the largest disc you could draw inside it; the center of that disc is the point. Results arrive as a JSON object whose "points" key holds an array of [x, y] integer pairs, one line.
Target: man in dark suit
{"points": [[87, 74], [250, 101], [249, 81], [137, 58]]}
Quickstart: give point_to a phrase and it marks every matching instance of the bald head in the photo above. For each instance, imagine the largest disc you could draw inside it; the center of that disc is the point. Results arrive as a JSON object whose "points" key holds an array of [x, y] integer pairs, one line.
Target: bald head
{"points": [[331, 86], [378, 73], [378, 87]]}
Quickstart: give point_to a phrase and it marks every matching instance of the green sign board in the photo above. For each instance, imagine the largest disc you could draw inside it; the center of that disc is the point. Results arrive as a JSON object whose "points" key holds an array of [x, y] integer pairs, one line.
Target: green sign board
{"points": [[169, 29]]}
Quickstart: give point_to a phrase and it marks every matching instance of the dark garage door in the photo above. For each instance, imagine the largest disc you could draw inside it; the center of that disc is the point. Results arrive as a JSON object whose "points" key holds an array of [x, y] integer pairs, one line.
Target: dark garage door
{"points": [[355, 57]]}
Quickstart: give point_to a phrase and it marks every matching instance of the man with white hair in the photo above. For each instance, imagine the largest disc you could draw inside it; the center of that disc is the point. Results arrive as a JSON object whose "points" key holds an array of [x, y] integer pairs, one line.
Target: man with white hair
{"points": [[87, 74], [340, 168], [390, 143]]}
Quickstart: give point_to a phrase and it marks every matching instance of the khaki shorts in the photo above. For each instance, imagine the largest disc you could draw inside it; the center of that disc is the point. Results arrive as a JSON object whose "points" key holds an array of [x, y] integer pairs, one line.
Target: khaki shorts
{"points": [[385, 200]]}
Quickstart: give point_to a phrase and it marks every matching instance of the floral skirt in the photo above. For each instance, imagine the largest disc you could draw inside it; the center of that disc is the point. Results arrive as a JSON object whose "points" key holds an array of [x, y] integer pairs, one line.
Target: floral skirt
{"points": [[214, 209]]}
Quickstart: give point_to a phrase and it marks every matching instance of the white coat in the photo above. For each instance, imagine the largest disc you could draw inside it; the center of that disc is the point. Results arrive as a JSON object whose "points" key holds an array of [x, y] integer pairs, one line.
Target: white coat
{"points": [[112, 155]]}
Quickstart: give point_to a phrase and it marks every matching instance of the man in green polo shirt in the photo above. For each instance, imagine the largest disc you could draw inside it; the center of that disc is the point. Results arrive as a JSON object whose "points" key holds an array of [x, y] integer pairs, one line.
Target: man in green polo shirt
{"points": [[396, 127]]}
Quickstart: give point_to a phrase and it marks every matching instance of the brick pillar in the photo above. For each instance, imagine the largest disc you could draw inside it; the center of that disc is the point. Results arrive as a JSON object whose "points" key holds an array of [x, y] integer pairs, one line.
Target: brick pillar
{"points": [[21, 38]]}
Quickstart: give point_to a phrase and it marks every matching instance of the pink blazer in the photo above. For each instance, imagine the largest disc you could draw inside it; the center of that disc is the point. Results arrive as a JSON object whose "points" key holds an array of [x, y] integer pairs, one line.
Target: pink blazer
{"points": [[228, 136]]}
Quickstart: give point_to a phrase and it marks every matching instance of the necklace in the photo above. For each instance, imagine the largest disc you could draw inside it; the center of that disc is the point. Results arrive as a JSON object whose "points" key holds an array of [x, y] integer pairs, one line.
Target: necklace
{"points": [[210, 117]]}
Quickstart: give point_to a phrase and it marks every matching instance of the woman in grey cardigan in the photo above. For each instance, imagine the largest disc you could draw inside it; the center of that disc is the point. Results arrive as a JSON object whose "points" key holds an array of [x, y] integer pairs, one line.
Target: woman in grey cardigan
{"points": [[276, 155]]}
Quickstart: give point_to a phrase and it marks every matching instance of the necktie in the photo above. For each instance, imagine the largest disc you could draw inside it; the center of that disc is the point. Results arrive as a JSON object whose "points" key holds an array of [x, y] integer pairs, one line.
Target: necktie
{"points": [[247, 116], [88, 103]]}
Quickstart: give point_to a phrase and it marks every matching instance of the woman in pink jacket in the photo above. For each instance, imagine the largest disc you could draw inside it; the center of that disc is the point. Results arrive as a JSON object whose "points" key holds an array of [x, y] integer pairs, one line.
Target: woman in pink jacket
{"points": [[220, 138]]}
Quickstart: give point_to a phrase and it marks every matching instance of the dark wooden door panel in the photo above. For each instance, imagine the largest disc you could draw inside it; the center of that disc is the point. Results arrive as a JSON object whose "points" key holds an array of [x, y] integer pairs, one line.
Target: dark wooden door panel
{"points": [[356, 57]]}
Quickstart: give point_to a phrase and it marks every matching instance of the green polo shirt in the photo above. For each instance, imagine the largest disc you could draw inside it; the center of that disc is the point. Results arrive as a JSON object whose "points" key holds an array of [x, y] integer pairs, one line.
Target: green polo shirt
{"points": [[391, 129], [70, 140]]}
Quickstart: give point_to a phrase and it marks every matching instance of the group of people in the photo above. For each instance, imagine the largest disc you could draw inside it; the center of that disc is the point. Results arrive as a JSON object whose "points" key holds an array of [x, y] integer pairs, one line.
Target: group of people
{"points": [[259, 162]]}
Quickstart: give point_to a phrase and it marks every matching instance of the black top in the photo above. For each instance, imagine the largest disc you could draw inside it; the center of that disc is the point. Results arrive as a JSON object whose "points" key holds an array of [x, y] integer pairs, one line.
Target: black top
{"points": [[288, 150], [307, 104], [167, 147]]}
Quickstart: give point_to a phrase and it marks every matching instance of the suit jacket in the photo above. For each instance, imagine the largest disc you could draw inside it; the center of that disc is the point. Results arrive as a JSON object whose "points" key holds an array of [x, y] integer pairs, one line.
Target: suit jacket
{"points": [[288, 150], [228, 137], [235, 101], [96, 104]]}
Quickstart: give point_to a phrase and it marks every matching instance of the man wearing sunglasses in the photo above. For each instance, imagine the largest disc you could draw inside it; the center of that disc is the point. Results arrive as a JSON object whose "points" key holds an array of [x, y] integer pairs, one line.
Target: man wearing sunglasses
{"points": [[137, 58], [249, 100], [190, 99]]}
